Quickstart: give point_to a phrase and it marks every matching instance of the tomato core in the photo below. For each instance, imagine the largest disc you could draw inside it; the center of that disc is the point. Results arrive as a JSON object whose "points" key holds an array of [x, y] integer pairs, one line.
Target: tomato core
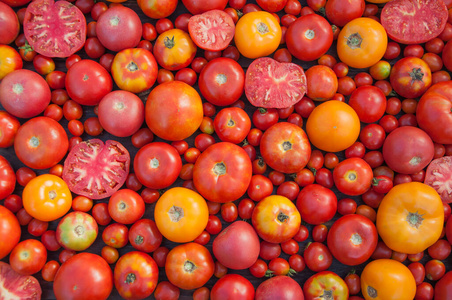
{"points": [[231, 123], [416, 74], [79, 230], [354, 41], [122, 206], [189, 266], [119, 106], [169, 42], [415, 161], [351, 176], [356, 239], [282, 217], [18, 88], [309, 34], [176, 213], [286, 146], [219, 169], [262, 28], [24, 255], [130, 278], [34, 142], [372, 292], [139, 240], [114, 21], [155, 163], [132, 67], [414, 219], [327, 295], [221, 79], [52, 195]]}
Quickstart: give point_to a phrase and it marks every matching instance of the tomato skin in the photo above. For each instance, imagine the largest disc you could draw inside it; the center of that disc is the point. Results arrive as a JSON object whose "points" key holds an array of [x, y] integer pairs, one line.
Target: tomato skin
{"points": [[316, 204], [232, 124], [7, 178], [10, 231], [135, 275], [174, 49], [82, 276], [145, 236], [232, 286], [309, 37], [257, 34], [10, 24], [443, 288], [353, 176], [369, 102], [325, 281]]}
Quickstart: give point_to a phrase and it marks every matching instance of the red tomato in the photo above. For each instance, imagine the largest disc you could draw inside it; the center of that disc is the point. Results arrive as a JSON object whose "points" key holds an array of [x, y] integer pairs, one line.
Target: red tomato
{"points": [[322, 83], [369, 102], [316, 204], [10, 25], [17, 286], [317, 257], [340, 13], [104, 167], [325, 283], [157, 9], [8, 129], [10, 231], [46, 29], [271, 84], [157, 165], [410, 77], [199, 6], [309, 37], [352, 239], [84, 275], [232, 286], [126, 206], [438, 175], [145, 236], [212, 30], [7, 178], [87, 82], [353, 176], [279, 287], [221, 81], [443, 288], [28, 257], [232, 124]]}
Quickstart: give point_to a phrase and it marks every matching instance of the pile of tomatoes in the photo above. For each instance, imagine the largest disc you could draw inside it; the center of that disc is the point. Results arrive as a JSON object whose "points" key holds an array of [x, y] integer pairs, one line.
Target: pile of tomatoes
{"points": [[268, 149]]}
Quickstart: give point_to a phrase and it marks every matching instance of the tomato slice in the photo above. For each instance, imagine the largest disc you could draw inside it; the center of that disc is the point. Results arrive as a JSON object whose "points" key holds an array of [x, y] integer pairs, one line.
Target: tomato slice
{"points": [[414, 21], [439, 177], [212, 30], [54, 29], [96, 170], [271, 84], [15, 286]]}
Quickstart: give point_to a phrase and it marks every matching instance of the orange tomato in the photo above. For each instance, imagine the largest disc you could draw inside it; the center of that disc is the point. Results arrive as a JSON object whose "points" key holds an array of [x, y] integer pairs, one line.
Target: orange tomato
{"points": [[10, 60], [181, 214], [333, 126], [362, 43], [257, 34], [387, 279], [47, 197], [410, 217]]}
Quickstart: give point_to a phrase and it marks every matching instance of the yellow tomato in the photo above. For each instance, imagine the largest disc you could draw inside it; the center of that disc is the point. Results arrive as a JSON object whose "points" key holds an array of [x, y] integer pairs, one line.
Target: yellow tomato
{"points": [[387, 279], [257, 34], [181, 214], [410, 217], [362, 43], [333, 126], [10, 60], [47, 197]]}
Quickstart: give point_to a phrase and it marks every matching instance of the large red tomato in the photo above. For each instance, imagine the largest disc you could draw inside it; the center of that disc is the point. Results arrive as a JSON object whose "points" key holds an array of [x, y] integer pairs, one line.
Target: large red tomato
{"points": [[83, 276], [24, 93], [10, 231], [8, 129], [173, 111], [17, 286], [408, 150], [279, 287], [199, 6], [285, 147], [316, 204], [54, 29], [87, 82], [438, 175], [9, 24], [41, 143], [434, 112], [222, 172], [232, 286], [7, 178], [96, 170]]}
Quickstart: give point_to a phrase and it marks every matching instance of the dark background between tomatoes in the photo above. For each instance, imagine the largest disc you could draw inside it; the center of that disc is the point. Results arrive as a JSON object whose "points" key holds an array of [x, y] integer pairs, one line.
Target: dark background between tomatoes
{"points": [[8, 153]]}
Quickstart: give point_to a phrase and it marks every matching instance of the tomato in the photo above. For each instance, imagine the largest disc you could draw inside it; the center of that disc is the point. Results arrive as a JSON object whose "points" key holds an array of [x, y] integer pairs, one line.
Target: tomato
{"points": [[257, 34], [28, 257], [221, 81], [408, 150], [340, 13], [10, 231], [157, 165], [276, 219], [270, 84], [232, 286], [353, 176], [18, 286], [322, 83], [325, 283], [387, 279], [46, 28], [145, 236], [7, 178], [279, 287], [316, 204], [82, 276], [47, 197], [8, 129], [362, 43], [437, 176], [181, 215], [10, 60], [352, 239], [134, 70], [414, 22], [222, 173], [126, 206], [199, 6], [410, 217], [285, 147], [369, 102], [174, 49], [333, 126], [443, 288], [77, 231], [10, 25], [157, 9], [309, 37], [212, 30], [135, 275], [173, 110], [232, 124], [410, 77]]}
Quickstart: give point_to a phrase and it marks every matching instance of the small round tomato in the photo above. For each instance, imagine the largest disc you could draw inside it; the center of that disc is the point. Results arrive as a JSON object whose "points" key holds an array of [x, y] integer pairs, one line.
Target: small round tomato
{"points": [[316, 204], [317, 257], [369, 102], [157, 9], [145, 236], [8, 129], [353, 176], [126, 206], [257, 34], [47, 197], [322, 83], [77, 231], [410, 77], [10, 60], [325, 283], [233, 286], [10, 231], [28, 257]]}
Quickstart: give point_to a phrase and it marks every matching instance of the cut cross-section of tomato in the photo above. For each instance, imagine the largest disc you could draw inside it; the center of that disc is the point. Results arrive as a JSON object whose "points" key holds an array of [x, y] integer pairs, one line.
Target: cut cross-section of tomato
{"points": [[439, 177]]}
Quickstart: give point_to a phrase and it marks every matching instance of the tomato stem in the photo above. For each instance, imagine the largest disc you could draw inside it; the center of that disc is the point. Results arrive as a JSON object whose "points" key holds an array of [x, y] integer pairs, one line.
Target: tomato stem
{"points": [[169, 42]]}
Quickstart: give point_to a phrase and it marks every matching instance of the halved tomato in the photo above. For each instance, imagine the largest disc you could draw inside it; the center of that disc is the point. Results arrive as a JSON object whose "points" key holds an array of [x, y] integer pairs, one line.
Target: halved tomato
{"points": [[17, 286], [439, 177]]}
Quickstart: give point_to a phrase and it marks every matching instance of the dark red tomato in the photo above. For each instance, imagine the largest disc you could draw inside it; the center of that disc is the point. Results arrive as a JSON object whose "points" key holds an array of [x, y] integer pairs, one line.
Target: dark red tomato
{"points": [[443, 288], [309, 37], [410, 77], [17, 286], [7, 178], [264, 118], [87, 82], [352, 239], [232, 286], [439, 250], [104, 167], [165, 290], [144, 236], [438, 174], [271, 84], [353, 282], [434, 269], [372, 136], [408, 150], [414, 22], [369, 102], [346, 206], [157, 165], [212, 30], [200, 6], [381, 251], [272, 6], [222, 81], [316, 204], [340, 13], [424, 291], [353, 176], [82, 276], [317, 257], [55, 29]]}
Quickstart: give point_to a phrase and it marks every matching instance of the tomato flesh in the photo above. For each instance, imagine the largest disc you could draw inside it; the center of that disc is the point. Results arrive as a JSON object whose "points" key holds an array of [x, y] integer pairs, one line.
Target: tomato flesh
{"points": [[439, 177]]}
